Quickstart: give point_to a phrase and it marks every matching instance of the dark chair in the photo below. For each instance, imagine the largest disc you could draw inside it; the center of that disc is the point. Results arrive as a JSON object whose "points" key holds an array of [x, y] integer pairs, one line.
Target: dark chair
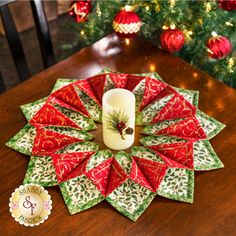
{"points": [[14, 42], [2, 86]]}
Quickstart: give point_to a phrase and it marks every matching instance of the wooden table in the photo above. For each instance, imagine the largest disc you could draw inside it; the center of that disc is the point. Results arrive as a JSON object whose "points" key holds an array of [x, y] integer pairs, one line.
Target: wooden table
{"points": [[214, 209]]}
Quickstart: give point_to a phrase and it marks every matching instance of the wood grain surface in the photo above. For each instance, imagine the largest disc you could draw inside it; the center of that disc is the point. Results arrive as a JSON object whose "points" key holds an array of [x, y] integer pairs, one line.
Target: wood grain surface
{"points": [[214, 209]]}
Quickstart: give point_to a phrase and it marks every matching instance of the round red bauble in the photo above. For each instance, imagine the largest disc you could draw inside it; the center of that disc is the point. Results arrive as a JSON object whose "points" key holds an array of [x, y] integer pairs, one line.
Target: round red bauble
{"points": [[172, 40], [228, 5], [79, 10], [127, 23], [218, 47]]}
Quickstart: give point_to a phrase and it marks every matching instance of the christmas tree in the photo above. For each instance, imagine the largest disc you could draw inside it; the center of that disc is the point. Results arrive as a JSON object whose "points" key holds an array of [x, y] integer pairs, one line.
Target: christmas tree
{"points": [[203, 32]]}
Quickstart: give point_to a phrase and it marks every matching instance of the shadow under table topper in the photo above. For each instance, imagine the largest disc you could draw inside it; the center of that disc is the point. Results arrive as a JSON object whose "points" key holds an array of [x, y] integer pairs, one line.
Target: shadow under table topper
{"points": [[176, 143]]}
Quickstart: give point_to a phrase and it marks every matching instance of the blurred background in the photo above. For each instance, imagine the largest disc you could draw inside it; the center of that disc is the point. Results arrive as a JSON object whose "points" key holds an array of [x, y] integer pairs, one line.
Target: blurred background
{"points": [[207, 28]]}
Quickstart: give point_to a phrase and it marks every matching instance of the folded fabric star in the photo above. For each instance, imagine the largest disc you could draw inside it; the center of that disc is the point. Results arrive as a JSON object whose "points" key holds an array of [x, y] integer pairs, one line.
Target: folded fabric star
{"points": [[177, 144]]}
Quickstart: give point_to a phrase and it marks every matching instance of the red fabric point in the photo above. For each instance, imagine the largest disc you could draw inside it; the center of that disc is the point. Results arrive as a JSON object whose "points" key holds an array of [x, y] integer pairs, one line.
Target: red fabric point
{"points": [[119, 80], [49, 115], [176, 155], [100, 175], [85, 87], [154, 172], [97, 83], [188, 128], [48, 142], [177, 107], [70, 165], [68, 97], [138, 177], [133, 81], [116, 177], [165, 92], [107, 176], [153, 88]]}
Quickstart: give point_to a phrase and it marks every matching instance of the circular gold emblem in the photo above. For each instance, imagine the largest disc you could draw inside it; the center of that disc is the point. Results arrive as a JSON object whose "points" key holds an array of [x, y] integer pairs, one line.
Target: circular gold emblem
{"points": [[30, 204]]}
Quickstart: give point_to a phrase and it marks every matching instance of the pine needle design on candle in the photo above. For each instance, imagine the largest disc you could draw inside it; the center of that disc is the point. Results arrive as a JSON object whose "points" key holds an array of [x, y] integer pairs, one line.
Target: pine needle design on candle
{"points": [[117, 121]]}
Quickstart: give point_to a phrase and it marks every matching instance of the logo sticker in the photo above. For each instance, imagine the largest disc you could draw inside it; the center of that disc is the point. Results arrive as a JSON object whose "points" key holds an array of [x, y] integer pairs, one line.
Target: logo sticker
{"points": [[30, 204]]}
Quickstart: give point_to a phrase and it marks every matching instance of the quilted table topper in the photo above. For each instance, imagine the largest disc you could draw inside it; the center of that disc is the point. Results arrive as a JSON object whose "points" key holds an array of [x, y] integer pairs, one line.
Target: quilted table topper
{"points": [[62, 151]]}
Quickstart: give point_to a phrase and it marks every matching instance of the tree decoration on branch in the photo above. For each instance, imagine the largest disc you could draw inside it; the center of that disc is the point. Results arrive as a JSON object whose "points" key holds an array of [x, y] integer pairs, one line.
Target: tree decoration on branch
{"points": [[218, 46], [79, 10], [228, 5], [118, 122], [127, 23], [172, 40]]}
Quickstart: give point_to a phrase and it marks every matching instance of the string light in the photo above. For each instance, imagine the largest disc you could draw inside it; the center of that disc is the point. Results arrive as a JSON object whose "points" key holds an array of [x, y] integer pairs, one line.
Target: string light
{"points": [[172, 26], [209, 51], [164, 27], [172, 3], [98, 11], [147, 8], [158, 7], [200, 21], [152, 67], [129, 7], [214, 34], [127, 42], [231, 63], [82, 32], [208, 6], [188, 34], [229, 23], [209, 84], [195, 75]]}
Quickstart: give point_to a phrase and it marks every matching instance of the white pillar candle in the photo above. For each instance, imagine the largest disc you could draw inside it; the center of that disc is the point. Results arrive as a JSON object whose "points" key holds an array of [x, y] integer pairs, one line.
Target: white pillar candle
{"points": [[118, 118]]}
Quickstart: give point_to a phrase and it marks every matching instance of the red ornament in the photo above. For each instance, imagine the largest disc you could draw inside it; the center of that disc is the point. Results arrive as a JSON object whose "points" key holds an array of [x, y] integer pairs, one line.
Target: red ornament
{"points": [[79, 10], [127, 23], [228, 5], [218, 47], [172, 40]]}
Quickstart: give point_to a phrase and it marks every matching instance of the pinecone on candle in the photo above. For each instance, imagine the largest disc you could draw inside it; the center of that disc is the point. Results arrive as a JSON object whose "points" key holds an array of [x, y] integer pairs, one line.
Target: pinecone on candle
{"points": [[129, 131]]}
